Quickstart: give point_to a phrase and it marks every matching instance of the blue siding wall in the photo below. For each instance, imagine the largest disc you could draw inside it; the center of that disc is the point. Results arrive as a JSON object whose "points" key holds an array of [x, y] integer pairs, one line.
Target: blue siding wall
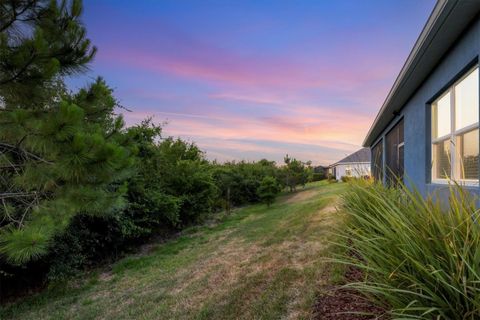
{"points": [[416, 112]]}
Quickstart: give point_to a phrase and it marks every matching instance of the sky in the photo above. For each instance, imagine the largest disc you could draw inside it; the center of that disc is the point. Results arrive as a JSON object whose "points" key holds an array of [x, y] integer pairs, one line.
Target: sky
{"points": [[253, 79]]}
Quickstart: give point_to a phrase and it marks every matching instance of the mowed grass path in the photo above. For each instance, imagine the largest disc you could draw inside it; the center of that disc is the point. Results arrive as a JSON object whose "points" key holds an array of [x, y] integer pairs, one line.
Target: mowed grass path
{"points": [[257, 263]]}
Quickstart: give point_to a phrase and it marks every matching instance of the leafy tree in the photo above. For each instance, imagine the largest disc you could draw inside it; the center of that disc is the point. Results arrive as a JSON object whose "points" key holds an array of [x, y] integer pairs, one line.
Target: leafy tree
{"points": [[268, 190], [238, 181], [307, 174], [150, 206], [60, 153], [173, 184], [226, 181], [296, 172], [186, 175]]}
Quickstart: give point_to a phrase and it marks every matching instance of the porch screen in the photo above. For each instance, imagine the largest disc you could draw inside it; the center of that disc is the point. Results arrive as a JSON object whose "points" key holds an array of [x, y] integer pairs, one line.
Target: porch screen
{"points": [[394, 153], [377, 161]]}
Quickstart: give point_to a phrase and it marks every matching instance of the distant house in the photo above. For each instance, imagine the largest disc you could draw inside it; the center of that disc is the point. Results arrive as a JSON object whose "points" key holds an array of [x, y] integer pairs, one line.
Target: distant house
{"points": [[357, 164], [428, 126]]}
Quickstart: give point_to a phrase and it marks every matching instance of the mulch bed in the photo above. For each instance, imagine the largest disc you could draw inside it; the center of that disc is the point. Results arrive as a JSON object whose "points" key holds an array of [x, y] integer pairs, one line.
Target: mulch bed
{"points": [[347, 304]]}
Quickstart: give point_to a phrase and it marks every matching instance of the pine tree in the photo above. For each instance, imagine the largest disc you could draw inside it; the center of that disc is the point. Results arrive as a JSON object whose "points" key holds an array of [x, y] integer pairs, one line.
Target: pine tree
{"points": [[60, 153], [40, 40]]}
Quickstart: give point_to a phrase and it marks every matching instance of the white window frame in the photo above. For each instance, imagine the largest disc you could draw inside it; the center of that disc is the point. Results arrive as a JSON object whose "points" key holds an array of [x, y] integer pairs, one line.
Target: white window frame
{"points": [[453, 135], [348, 171]]}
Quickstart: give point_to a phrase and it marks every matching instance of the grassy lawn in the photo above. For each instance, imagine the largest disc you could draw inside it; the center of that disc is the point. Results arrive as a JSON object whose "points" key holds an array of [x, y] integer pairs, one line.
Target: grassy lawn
{"points": [[258, 263]]}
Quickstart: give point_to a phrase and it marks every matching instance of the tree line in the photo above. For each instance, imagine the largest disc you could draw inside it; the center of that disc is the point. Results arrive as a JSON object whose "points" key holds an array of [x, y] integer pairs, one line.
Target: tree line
{"points": [[76, 185]]}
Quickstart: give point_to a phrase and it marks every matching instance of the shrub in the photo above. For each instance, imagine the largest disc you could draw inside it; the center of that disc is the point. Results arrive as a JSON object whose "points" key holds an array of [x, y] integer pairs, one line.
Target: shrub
{"points": [[318, 176], [238, 182], [420, 258], [268, 190], [296, 172], [88, 241], [331, 178], [173, 186]]}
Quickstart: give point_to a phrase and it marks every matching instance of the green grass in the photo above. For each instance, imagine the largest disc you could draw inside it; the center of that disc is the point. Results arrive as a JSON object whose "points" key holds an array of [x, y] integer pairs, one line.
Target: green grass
{"points": [[257, 263]]}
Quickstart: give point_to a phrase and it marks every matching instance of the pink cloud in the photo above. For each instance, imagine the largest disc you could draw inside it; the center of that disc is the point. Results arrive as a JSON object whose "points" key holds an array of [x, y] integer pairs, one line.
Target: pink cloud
{"points": [[333, 129], [249, 98], [244, 71], [184, 56]]}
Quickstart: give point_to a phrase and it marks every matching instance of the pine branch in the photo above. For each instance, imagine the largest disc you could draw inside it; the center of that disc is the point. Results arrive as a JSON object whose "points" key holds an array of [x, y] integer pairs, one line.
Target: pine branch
{"points": [[16, 15], [8, 195], [21, 71], [24, 152]]}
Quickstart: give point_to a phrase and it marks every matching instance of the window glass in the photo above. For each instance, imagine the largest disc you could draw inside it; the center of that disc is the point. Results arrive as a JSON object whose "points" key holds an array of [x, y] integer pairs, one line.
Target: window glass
{"points": [[441, 116], [468, 155], [466, 101], [455, 146], [348, 171], [441, 160]]}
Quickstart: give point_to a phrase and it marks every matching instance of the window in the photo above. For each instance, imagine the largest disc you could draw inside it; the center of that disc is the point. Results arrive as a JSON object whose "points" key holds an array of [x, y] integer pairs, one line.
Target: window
{"points": [[455, 133], [377, 161], [394, 146], [348, 171]]}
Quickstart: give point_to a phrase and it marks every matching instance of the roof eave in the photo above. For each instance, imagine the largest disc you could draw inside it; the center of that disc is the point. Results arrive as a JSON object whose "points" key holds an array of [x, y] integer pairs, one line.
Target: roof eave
{"points": [[449, 18]]}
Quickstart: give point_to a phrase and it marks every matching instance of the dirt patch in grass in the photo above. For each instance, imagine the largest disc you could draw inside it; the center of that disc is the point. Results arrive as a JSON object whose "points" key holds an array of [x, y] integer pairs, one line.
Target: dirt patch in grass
{"points": [[106, 276], [329, 209], [300, 196], [347, 304]]}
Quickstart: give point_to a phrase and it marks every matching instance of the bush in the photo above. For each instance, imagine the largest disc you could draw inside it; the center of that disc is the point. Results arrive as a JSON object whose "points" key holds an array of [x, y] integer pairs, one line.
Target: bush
{"points": [[318, 176], [296, 172], [421, 259], [331, 178], [173, 186], [268, 190], [238, 182], [88, 241]]}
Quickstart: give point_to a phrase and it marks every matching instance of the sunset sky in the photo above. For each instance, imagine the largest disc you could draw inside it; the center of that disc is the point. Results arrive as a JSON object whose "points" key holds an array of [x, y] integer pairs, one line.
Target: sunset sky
{"points": [[255, 79]]}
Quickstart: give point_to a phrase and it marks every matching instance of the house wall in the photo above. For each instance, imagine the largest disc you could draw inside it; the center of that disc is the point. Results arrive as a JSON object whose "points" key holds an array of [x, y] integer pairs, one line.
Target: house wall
{"points": [[357, 169], [416, 112]]}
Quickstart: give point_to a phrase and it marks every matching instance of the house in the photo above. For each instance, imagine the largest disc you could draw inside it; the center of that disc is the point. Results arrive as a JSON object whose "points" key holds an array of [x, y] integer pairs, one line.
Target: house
{"points": [[355, 165], [427, 130]]}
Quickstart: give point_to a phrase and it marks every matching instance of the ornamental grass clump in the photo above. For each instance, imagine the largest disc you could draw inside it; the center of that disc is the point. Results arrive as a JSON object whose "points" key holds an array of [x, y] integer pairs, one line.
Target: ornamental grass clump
{"points": [[420, 257]]}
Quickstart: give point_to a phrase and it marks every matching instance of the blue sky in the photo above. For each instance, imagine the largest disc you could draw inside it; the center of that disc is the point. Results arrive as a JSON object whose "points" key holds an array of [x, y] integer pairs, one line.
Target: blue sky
{"points": [[255, 79]]}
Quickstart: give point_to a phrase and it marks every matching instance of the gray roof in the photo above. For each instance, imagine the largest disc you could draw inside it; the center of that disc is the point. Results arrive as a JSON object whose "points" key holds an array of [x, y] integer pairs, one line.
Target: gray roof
{"points": [[445, 25], [362, 155]]}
